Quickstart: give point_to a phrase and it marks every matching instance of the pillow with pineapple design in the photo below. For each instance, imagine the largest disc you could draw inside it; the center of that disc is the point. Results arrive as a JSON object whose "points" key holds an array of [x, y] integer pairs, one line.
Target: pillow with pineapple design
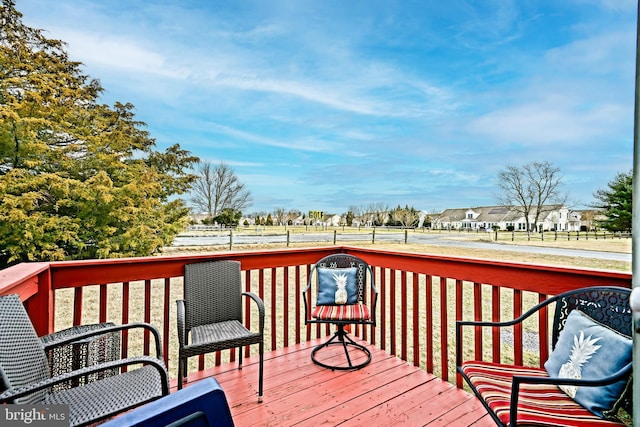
{"points": [[589, 350], [330, 280]]}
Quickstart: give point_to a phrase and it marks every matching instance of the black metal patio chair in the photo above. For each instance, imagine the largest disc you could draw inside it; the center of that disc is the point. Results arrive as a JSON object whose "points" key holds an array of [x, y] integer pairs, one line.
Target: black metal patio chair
{"points": [[210, 315], [25, 376], [336, 294], [586, 379]]}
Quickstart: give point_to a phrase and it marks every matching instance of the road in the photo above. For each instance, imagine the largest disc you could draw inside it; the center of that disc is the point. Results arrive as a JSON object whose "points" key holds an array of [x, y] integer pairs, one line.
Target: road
{"points": [[435, 239]]}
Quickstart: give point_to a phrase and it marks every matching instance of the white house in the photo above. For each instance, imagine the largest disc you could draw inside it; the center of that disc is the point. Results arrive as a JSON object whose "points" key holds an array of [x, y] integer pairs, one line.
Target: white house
{"points": [[552, 217]]}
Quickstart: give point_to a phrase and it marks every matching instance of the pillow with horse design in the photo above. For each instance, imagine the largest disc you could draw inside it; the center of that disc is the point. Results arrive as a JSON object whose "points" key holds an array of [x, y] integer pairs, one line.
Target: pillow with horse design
{"points": [[588, 350], [337, 286]]}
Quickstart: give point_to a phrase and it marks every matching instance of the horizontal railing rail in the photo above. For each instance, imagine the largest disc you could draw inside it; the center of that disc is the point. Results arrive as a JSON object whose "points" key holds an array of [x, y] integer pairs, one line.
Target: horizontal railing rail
{"points": [[421, 297]]}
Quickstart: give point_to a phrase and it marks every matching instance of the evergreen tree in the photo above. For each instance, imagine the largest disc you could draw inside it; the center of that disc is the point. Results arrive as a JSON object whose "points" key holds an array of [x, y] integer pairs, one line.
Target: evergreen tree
{"points": [[78, 179], [229, 217], [349, 218], [615, 201]]}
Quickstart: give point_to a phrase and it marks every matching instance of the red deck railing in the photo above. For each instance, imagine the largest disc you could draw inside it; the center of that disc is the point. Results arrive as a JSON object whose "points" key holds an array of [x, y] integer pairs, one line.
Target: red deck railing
{"points": [[421, 297]]}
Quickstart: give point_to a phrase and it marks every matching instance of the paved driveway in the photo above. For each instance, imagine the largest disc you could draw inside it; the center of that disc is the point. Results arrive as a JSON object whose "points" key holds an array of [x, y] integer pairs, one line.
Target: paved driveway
{"points": [[437, 239]]}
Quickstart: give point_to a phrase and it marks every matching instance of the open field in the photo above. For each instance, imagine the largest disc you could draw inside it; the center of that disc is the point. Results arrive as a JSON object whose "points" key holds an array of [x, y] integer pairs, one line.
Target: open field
{"points": [[621, 245]]}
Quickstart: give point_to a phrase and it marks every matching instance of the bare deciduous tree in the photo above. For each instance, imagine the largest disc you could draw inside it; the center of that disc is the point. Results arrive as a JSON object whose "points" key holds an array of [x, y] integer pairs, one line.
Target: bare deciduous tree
{"points": [[217, 188], [531, 189], [406, 217], [280, 216], [377, 213], [358, 213]]}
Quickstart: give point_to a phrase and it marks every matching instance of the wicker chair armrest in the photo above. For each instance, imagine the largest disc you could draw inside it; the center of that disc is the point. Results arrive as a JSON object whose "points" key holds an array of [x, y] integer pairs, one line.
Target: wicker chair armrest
{"points": [[624, 372], [116, 328], [180, 319], [8, 396], [260, 304]]}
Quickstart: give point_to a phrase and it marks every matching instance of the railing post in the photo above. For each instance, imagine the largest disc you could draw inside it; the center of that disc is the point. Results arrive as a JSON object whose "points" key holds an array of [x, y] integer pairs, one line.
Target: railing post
{"points": [[40, 307], [230, 240]]}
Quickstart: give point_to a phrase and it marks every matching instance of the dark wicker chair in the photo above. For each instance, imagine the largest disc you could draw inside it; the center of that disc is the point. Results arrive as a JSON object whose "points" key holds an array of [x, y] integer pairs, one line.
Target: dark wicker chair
{"points": [[524, 395], [210, 315], [25, 374], [341, 315]]}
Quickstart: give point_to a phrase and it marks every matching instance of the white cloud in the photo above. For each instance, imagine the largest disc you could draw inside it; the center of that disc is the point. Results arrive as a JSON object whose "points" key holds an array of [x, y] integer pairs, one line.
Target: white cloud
{"points": [[121, 54], [539, 125], [301, 145]]}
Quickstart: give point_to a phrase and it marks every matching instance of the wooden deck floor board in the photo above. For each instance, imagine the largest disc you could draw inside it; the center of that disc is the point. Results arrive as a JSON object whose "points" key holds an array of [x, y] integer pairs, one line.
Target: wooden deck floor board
{"points": [[387, 392]]}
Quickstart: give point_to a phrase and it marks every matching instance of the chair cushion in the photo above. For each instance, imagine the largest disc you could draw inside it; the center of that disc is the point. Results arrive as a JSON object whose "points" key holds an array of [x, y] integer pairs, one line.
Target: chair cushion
{"points": [[538, 404], [337, 286], [341, 312], [589, 350]]}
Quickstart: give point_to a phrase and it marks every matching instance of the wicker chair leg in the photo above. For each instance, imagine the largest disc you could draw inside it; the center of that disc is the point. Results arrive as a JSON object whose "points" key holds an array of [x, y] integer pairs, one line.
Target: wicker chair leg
{"points": [[261, 371], [239, 357], [182, 371]]}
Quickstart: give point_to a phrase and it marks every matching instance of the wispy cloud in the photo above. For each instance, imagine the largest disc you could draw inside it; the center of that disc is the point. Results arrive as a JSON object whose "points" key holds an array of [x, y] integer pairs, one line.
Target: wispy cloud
{"points": [[315, 146]]}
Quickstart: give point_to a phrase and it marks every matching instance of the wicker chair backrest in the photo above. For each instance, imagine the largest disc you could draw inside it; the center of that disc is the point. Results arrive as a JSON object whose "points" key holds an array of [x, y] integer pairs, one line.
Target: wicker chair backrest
{"points": [[212, 292], [22, 357], [347, 261], [606, 305]]}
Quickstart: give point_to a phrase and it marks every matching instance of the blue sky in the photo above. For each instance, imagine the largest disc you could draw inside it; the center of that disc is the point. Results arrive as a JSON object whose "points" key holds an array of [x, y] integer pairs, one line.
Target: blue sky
{"points": [[325, 104]]}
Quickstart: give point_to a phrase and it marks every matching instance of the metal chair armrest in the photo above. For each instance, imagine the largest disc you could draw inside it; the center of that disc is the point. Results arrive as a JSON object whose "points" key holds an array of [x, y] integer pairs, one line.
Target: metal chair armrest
{"points": [[519, 319]]}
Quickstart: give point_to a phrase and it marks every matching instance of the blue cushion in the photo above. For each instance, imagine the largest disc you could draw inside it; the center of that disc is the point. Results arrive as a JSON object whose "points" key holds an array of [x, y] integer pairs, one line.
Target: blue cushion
{"points": [[589, 350], [201, 404], [328, 280]]}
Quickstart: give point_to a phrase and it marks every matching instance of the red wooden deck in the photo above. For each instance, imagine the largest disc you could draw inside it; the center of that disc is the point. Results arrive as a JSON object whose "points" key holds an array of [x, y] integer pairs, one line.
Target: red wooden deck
{"points": [[387, 392]]}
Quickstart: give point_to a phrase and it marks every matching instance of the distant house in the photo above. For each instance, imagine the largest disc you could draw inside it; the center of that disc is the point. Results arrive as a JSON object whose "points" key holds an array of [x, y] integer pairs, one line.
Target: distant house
{"points": [[590, 219], [196, 218], [553, 217], [300, 220], [331, 220]]}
